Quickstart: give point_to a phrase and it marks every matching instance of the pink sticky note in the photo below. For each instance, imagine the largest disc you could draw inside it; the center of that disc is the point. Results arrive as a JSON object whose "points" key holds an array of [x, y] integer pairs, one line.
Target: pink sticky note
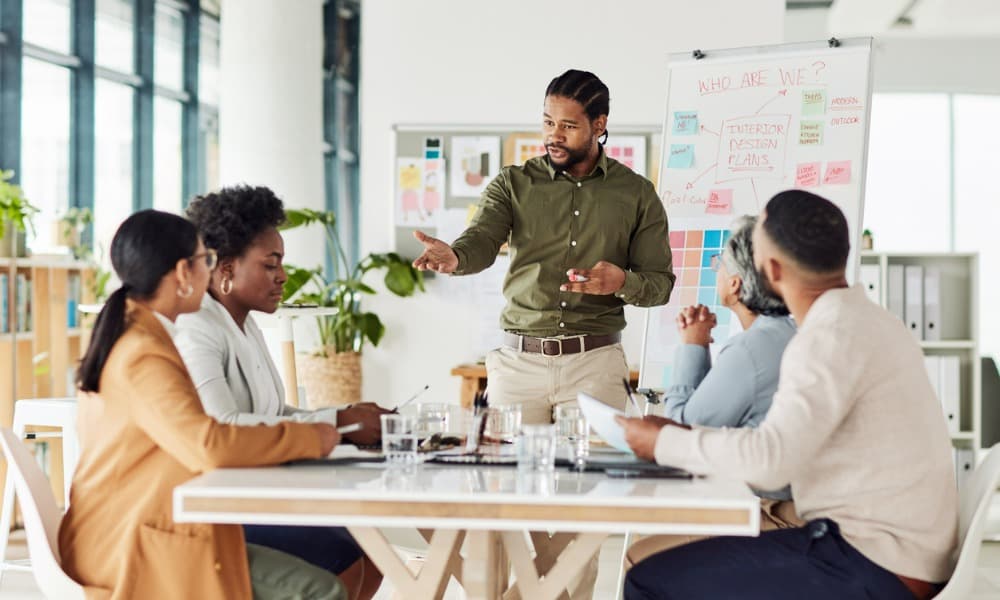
{"points": [[807, 175], [720, 202], [837, 172]]}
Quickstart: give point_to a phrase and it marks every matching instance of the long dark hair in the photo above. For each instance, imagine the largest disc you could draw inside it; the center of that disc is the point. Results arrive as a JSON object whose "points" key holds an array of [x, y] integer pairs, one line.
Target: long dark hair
{"points": [[585, 88], [146, 247]]}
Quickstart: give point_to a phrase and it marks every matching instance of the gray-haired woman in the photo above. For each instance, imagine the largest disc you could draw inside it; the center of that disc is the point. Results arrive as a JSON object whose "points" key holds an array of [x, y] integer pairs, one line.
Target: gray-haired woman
{"points": [[737, 390]]}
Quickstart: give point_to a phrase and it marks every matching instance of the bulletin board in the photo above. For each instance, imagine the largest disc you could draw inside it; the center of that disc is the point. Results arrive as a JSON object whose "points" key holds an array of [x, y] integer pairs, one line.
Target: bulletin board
{"points": [[742, 125]]}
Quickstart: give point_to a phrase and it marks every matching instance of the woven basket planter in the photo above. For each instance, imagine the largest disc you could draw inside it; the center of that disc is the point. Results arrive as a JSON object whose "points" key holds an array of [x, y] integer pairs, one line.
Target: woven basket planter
{"points": [[332, 380]]}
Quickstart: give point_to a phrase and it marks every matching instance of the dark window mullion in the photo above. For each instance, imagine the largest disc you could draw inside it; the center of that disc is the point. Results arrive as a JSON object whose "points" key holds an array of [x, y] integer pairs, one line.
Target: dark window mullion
{"points": [[145, 27], [82, 141], [10, 87], [191, 159]]}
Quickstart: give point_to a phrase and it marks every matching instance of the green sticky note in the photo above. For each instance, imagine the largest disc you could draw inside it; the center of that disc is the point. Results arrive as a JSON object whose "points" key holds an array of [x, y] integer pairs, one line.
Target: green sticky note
{"points": [[811, 133], [813, 102]]}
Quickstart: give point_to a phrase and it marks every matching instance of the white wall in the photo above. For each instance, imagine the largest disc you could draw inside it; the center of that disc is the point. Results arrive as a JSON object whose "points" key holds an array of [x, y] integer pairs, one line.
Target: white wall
{"points": [[488, 62]]}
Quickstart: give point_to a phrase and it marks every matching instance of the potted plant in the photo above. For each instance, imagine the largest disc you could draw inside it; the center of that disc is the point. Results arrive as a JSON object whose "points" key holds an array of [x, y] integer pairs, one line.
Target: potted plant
{"points": [[332, 373], [69, 231], [16, 215]]}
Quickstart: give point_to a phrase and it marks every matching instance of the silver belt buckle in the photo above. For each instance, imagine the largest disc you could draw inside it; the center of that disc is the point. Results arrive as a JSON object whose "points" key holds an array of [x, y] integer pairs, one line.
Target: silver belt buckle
{"points": [[555, 340]]}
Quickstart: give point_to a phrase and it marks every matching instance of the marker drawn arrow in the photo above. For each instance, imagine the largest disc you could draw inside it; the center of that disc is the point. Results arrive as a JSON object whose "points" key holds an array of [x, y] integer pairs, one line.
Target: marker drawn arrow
{"points": [[780, 93], [691, 183], [703, 128]]}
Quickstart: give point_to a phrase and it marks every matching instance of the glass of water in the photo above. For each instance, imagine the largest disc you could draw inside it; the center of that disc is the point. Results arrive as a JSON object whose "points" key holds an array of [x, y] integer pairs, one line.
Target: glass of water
{"points": [[573, 433], [536, 449], [431, 418], [503, 423], [399, 440]]}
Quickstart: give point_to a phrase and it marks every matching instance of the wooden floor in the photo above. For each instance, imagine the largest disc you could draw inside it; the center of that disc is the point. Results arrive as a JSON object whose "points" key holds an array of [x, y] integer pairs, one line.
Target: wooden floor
{"points": [[21, 586]]}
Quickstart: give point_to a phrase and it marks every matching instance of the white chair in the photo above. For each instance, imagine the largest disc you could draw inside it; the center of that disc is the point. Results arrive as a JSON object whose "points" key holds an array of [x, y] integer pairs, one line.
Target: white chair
{"points": [[41, 519], [973, 509], [48, 412]]}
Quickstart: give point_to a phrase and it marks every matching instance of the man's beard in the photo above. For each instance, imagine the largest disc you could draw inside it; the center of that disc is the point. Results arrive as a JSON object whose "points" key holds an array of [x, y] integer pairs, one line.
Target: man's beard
{"points": [[574, 156]]}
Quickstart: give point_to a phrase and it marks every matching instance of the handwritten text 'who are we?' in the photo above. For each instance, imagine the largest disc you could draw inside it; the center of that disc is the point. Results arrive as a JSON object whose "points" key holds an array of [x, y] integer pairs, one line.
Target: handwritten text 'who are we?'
{"points": [[811, 74]]}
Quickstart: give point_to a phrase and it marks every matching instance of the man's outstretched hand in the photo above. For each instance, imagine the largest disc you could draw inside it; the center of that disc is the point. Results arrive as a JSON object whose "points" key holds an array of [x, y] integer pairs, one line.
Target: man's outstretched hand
{"points": [[438, 256]]}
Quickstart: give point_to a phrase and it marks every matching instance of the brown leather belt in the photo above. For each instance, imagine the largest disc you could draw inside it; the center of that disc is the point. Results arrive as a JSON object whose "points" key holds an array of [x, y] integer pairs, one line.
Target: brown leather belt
{"points": [[560, 346], [922, 590]]}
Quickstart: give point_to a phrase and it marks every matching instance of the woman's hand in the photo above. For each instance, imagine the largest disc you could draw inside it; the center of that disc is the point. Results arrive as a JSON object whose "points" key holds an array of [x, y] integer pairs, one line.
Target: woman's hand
{"points": [[695, 323]]}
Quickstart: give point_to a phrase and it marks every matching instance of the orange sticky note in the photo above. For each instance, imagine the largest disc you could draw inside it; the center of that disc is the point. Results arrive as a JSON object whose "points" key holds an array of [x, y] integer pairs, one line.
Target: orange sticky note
{"points": [[838, 172], [807, 175]]}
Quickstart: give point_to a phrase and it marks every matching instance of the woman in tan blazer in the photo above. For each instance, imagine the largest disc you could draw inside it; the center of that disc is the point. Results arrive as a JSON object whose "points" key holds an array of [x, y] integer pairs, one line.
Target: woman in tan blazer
{"points": [[143, 432]]}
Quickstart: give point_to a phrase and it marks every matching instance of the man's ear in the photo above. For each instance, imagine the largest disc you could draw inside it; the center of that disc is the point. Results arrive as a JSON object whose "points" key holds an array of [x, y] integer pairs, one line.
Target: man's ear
{"points": [[774, 270], [600, 125]]}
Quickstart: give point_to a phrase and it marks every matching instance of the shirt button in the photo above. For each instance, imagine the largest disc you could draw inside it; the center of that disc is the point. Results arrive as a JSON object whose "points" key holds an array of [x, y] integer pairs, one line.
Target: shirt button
{"points": [[563, 304], [562, 324], [579, 184], [576, 213], [573, 243]]}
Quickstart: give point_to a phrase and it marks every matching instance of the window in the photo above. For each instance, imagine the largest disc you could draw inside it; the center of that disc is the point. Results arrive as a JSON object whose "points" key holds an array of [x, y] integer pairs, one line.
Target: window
{"points": [[208, 63], [115, 29], [45, 122], [168, 52], [977, 202], [167, 176], [47, 24], [908, 187], [112, 162]]}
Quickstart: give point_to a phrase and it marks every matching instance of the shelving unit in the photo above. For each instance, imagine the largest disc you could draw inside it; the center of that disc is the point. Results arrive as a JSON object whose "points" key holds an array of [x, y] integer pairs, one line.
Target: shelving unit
{"points": [[959, 325], [39, 362]]}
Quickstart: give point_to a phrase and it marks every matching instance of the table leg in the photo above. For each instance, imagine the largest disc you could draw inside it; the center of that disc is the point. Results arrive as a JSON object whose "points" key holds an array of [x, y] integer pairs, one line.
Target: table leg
{"points": [[288, 358], [433, 577], [571, 557], [485, 571]]}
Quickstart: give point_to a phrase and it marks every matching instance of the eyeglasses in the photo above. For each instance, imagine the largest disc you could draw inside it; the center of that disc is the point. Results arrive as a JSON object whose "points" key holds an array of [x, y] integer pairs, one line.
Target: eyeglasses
{"points": [[716, 263], [211, 258]]}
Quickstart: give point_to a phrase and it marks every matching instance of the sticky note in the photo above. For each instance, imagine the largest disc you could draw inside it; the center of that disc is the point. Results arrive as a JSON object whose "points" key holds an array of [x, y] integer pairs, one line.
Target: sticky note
{"points": [[807, 175], [720, 202], [813, 102], [681, 156], [838, 172], [685, 122], [810, 133]]}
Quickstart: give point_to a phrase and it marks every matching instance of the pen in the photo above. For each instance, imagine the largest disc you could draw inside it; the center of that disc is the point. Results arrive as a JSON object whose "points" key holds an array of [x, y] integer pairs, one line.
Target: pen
{"points": [[628, 394], [412, 398], [350, 428]]}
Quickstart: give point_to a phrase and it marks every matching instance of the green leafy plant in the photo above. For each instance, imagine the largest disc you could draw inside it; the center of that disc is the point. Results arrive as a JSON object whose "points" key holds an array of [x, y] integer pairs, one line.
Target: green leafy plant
{"points": [[14, 207], [71, 226], [351, 326]]}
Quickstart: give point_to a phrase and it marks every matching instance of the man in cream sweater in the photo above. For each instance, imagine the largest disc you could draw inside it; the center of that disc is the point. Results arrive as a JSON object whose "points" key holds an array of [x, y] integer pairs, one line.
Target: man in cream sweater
{"points": [[855, 428]]}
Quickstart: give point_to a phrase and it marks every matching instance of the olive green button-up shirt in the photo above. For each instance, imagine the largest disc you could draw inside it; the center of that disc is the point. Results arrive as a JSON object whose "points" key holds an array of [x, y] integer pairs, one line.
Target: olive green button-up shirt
{"points": [[554, 222]]}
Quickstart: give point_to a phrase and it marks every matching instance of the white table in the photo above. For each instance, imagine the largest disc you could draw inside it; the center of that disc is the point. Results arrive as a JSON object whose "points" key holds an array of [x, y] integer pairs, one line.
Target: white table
{"points": [[488, 508]]}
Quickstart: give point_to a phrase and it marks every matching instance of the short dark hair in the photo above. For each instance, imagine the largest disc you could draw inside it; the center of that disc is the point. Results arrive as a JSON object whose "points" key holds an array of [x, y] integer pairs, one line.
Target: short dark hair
{"points": [[585, 88], [810, 229], [230, 219]]}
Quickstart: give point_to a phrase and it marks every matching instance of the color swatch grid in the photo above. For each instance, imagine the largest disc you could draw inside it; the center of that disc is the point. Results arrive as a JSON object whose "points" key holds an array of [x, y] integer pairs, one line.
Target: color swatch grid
{"points": [[624, 155], [692, 257]]}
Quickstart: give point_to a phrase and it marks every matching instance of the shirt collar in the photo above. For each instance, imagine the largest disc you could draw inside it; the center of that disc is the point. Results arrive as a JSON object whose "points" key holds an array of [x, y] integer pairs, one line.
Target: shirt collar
{"points": [[602, 164]]}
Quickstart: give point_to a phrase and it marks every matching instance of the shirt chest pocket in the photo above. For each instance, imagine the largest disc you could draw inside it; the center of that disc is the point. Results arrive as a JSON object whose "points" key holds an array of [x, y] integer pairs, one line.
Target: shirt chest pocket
{"points": [[611, 221]]}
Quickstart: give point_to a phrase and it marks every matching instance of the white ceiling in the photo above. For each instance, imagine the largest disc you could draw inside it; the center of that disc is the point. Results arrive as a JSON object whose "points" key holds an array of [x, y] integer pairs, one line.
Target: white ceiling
{"points": [[973, 18]]}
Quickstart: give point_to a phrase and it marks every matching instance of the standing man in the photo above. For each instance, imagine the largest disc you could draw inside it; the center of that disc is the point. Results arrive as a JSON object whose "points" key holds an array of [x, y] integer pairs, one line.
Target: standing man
{"points": [[854, 427], [586, 236]]}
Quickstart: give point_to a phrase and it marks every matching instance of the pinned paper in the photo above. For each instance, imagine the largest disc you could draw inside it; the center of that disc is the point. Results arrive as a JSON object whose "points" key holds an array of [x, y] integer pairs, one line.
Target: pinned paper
{"points": [[720, 202], [838, 172], [685, 122], [811, 133], [807, 175], [813, 102], [681, 156]]}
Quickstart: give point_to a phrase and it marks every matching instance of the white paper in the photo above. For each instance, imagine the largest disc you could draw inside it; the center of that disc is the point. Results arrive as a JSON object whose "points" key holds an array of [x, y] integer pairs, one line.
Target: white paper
{"points": [[475, 161]]}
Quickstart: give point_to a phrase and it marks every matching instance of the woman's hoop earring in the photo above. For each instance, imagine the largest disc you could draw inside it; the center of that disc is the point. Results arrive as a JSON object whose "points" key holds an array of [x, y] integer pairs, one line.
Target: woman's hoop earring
{"points": [[187, 292], [226, 287]]}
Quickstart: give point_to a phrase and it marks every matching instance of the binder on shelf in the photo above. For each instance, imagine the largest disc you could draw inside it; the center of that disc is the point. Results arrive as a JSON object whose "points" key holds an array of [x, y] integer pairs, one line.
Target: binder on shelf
{"points": [[933, 364], [4, 303], [914, 297], [932, 304], [965, 463], [951, 392], [73, 300], [870, 278], [22, 293], [895, 298]]}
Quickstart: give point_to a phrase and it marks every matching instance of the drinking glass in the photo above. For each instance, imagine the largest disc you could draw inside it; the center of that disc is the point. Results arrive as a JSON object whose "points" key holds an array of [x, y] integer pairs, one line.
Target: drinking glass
{"points": [[399, 440], [504, 422], [536, 449], [432, 418]]}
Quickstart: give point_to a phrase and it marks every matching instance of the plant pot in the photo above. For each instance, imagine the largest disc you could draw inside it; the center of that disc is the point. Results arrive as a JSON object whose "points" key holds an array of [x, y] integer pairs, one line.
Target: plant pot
{"points": [[332, 380], [6, 250]]}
